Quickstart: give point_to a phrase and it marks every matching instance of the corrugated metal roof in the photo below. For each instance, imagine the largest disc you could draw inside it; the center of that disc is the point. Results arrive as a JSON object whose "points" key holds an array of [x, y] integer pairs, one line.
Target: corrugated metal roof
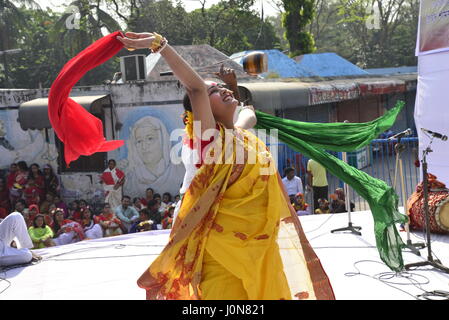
{"points": [[278, 63], [328, 65]]}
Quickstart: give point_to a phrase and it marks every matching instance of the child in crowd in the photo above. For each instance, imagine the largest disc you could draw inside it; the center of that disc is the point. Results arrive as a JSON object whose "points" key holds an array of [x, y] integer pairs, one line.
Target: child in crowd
{"points": [[112, 226], [31, 192], [40, 233], [323, 206], [167, 220]]}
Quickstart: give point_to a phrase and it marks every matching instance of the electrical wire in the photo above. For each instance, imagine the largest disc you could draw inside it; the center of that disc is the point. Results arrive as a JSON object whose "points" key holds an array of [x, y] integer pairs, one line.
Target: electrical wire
{"points": [[386, 278]]}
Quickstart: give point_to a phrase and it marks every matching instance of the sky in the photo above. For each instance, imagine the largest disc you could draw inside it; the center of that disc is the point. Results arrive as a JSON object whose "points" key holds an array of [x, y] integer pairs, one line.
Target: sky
{"points": [[268, 5]]}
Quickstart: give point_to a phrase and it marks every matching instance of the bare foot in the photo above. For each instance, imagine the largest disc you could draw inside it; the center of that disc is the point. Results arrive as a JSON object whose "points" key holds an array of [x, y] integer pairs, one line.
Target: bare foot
{"points": [[36, 257]]}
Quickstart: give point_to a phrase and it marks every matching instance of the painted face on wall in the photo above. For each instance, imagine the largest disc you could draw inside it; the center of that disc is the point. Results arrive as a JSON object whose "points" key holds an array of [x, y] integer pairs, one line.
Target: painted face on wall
{"points": [[148, 143]]}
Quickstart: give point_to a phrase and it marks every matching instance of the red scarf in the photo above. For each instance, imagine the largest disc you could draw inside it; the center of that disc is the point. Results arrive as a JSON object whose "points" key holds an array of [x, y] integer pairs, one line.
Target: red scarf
{"points": [[80, 131]]}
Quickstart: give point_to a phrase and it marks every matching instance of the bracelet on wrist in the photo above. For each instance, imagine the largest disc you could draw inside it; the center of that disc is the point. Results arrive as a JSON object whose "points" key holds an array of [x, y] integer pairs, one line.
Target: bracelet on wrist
{"points": [[159, 43]]}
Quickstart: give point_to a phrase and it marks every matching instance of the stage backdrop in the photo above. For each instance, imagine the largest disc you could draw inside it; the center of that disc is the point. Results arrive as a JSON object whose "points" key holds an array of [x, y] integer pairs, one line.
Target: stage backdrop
{"points": [[432, 99]]}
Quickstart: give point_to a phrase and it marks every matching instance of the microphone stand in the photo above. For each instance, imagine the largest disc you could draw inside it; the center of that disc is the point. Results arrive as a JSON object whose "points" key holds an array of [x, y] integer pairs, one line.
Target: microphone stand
{"points": [[350, 227], [430, 261], [399, 148]]}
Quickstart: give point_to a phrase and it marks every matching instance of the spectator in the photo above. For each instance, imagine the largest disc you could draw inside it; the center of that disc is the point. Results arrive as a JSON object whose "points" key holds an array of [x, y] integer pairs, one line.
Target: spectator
{"points": [[31, 192], [158, 198], [66, 231], [14, 227], [177, 199], [337, 205], [40, 233], [112, 226], [21, 206], [137, 204], [167, 220], [51, 180], [5, 204], [11, 177], [76, 216], [20, 181], [300, 205], [61, 204], [113, 180], [143, 224], [292, 183], [45, 205], [72, 208], [323, 206], [127, 214], [317, 181], [148, 196], [155, 214], [33, 211], [39, 181], [166, 201], [92, 230]]}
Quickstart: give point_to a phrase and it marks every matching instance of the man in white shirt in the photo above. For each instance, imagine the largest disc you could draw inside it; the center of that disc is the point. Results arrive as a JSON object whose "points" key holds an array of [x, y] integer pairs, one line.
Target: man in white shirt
{"points": [[292, 183], [14, 227]]}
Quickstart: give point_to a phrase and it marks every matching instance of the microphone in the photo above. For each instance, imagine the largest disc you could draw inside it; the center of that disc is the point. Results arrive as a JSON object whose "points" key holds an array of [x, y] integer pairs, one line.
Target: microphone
{"points": [[402, 134], [435, 134]]}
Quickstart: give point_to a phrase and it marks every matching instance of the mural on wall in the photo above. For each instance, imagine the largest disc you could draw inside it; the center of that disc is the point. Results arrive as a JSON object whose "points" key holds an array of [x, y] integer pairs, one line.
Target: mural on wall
{"points": [[19, 145], [145, 158]]}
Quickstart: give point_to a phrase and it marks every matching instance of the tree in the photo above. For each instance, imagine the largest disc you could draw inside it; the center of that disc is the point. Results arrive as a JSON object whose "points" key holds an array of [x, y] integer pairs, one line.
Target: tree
{"points": [[298, 14], [378, 44], [11, 18], [40, 61], [231, 26], [78, 27]]}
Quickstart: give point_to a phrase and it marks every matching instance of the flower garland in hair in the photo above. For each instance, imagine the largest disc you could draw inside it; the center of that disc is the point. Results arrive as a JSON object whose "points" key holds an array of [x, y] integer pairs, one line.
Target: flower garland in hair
{"points": [[188, 122]]}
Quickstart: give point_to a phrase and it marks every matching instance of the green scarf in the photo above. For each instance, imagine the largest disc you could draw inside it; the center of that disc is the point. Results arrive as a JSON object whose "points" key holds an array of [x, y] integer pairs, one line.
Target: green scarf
{"points": [[311, 139]]}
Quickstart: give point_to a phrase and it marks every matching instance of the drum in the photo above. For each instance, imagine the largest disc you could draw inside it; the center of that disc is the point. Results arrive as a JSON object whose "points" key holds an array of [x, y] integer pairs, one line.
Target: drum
{"points": [[438, 212]]}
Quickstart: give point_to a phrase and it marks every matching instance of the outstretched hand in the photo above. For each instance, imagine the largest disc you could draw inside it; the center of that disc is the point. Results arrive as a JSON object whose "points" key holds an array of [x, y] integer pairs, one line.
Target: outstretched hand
{"points": [[134, 40]]}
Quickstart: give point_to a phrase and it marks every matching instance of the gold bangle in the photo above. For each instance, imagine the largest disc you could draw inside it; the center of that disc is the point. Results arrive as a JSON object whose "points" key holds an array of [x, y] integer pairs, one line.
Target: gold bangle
{"points": [[156, 42]]}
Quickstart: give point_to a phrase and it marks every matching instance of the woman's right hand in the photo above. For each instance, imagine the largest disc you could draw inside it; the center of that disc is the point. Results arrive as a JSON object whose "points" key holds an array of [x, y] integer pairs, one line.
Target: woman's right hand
{"points": [[137, 40]]}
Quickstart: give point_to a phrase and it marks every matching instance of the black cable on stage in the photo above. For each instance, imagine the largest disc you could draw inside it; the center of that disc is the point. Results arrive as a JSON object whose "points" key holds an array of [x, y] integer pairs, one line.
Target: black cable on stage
{"points": [[385, 278]]}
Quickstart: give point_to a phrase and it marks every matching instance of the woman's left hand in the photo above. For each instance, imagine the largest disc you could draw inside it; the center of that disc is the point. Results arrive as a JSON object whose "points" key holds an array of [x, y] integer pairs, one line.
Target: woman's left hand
{"points": [[137, 40], [227, 75]]}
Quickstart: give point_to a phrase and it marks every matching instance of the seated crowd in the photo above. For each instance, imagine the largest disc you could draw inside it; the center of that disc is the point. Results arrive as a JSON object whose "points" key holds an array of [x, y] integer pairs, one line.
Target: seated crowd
{"points": [[51, 222]]}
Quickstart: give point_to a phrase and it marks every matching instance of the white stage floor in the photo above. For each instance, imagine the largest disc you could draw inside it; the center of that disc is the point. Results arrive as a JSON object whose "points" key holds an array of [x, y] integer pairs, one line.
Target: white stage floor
{"points": [[107, 269]]}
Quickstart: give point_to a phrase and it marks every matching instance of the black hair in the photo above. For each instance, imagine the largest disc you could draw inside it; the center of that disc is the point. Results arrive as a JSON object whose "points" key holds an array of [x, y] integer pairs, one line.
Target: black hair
{"points": [[150, 189], [186, 103], [126, 197], [135, 199], [39, 216], [152, 203], [22, 165], [157, 195], [169, 196], [288, 170], [112, 161], [146, 212], [56, 225]]}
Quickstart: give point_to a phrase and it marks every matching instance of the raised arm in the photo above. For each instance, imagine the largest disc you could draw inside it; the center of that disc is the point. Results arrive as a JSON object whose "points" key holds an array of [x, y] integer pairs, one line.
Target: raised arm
{"points": [[191, 80]]}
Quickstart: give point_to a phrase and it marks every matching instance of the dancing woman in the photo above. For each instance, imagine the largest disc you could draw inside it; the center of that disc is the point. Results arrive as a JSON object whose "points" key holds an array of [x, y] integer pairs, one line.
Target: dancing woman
{"points": [[236, 232]]}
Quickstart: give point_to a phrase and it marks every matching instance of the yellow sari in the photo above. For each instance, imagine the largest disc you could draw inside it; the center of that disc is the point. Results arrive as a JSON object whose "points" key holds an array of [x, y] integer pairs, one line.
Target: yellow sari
{"points": [[236, 235]]}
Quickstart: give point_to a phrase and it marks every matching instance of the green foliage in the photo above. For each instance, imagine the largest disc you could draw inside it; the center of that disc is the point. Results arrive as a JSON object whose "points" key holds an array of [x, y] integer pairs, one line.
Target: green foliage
{"points": [[298, 14]]}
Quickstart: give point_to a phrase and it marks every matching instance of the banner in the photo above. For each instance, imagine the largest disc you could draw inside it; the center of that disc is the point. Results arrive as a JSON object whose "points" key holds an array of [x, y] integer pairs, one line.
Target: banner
{"points": [[433, 31]]}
